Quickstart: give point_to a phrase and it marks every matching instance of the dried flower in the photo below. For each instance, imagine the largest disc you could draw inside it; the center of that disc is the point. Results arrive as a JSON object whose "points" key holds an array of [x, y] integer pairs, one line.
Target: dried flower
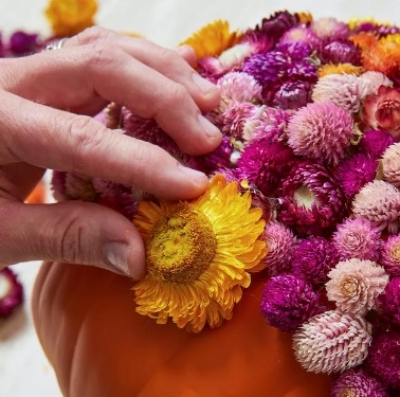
{"points": [[375, 142], [382, 110], [389, 302], [340, 68], [312, 200], [343, 90], [391, 164], [372, 81], [332, 342], [321, 131], [22, 43], [300, 35], [281, 244], [277, 24], [355, 285], [313, 258], [288, 301], [379, 202], [390, 255], [330, 29], [383, 359], [292, 94], [11, 292], [356, 383], [357, 238], [356, 171]]}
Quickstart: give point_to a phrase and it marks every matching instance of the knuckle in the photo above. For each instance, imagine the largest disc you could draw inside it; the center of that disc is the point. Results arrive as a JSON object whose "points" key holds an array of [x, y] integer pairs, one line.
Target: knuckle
{"points": [[94, 34], [101, 55]]}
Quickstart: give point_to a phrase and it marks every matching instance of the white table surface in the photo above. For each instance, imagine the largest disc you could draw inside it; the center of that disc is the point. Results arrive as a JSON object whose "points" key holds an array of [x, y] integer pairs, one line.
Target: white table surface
{"points": [[24, 371]]}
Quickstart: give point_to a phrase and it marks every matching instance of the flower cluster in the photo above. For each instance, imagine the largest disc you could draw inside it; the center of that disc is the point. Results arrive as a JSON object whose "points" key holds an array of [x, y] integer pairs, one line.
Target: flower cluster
{"points": [[310, 114]]}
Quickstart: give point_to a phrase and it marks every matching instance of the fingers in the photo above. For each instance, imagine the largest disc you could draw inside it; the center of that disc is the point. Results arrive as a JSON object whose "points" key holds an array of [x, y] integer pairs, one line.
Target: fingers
{"points": [[68, 142], [77, 76], [72, 232]]}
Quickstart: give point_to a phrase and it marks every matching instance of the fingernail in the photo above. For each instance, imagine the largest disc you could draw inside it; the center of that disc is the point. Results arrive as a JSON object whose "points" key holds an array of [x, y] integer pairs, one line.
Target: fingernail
{"points": [[204, 85], [117, 254], [209, 128], [199, 177]]}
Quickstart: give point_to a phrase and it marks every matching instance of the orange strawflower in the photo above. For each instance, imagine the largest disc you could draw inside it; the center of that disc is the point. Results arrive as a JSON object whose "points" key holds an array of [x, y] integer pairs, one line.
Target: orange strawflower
{"points": [[341, 68], [213, 39], [69, 17]]}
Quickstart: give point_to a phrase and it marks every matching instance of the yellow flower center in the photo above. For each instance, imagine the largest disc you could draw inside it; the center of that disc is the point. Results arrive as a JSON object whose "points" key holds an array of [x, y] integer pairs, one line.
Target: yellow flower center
{"points": [[349, 286], [348, 393], [395, 252], [181, 246]]}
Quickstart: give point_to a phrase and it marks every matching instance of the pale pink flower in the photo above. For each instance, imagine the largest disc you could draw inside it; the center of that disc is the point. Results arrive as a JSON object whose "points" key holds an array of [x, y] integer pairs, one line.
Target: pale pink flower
{"points": [[371, 81], [355, 285], [391, 164]]}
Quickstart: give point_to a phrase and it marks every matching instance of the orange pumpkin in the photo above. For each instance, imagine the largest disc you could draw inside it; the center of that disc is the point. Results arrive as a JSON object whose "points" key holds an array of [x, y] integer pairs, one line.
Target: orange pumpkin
{"points": [[99, 346]]}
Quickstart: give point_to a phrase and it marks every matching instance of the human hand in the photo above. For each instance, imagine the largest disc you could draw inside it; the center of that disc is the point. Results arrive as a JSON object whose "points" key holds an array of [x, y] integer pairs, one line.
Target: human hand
{"points": [[46, 100]]}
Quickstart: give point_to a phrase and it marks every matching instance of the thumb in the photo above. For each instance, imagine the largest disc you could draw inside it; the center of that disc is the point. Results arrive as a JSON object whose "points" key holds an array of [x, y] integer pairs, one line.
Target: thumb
{"points": [[72, 232]]}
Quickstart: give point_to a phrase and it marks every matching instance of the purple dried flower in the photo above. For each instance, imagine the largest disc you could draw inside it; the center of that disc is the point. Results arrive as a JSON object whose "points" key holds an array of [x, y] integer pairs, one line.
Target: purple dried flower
{"points": [[257, 41], [292, 95], [11, 292], [375, 142], [321, 131], [312, 200], [389, 302], [300, 35], [267, 68], [356, 171], [264, 163], [375, 28], [281, 243], [390, 255], [332, 342], [288, 301], [296, 50], [341, 51], [313, 258], [330, 29], [303, 70], [22, 43], [277, 24], [357, 238], [383, 360], [355, 382]]}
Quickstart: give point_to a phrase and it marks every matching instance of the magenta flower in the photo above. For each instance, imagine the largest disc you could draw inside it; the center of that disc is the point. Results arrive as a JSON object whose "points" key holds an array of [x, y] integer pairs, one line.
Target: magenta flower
{"points": [[312, 200], [375, 142], [300, 35], [355, 382], [277, 24], [383, 360], [11, 292], [341, 51], [321, 131], [390, 255], [22, 43], [356, 171], [288, 301], [313, 258], [281, 244], [389, 302], [357, 238], [330, 29], [264, 163]]}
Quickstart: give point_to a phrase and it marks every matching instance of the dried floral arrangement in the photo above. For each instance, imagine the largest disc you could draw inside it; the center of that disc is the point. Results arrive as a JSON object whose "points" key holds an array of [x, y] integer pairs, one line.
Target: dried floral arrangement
{"points": [[304, 187]]}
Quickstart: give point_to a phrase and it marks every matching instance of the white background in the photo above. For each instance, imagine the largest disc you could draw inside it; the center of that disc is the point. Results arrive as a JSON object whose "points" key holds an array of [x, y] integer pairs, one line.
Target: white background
{"points": [[24, 370]]}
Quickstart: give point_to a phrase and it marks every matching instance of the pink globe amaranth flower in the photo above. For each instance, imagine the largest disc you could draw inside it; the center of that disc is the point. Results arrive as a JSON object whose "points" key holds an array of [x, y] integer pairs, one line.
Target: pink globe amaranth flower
{"points": [[281, 243], [313, 258], [229, 174], [23, 43], [355, 382], [382, 111], [371, 82], [341, 51], [391, 164], [355, 285], [375, 142], [288, 301], [321, 131], [357, 238], [278, 23], [383, 360], [300, 35], [389, 302], [264, 163], [332, 342], [390, 255], [312, 200], [343, 90], [356, 171], [11, 292], [239, 87], [379, 202], [292, 94], [330, 29]]}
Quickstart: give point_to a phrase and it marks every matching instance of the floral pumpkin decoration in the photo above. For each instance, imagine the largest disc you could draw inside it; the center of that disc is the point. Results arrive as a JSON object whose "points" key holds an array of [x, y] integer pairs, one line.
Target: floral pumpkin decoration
{"points": [[284, 276]]}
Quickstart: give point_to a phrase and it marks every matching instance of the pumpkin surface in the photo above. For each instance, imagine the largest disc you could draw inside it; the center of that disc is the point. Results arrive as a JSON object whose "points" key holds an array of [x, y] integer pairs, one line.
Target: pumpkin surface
{"points": [[99, 346]]}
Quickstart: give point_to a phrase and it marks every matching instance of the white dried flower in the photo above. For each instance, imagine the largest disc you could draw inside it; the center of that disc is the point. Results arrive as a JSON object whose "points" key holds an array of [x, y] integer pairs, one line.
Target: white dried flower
{"points": [[391, 164], [332, 342], [355, 285]]}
